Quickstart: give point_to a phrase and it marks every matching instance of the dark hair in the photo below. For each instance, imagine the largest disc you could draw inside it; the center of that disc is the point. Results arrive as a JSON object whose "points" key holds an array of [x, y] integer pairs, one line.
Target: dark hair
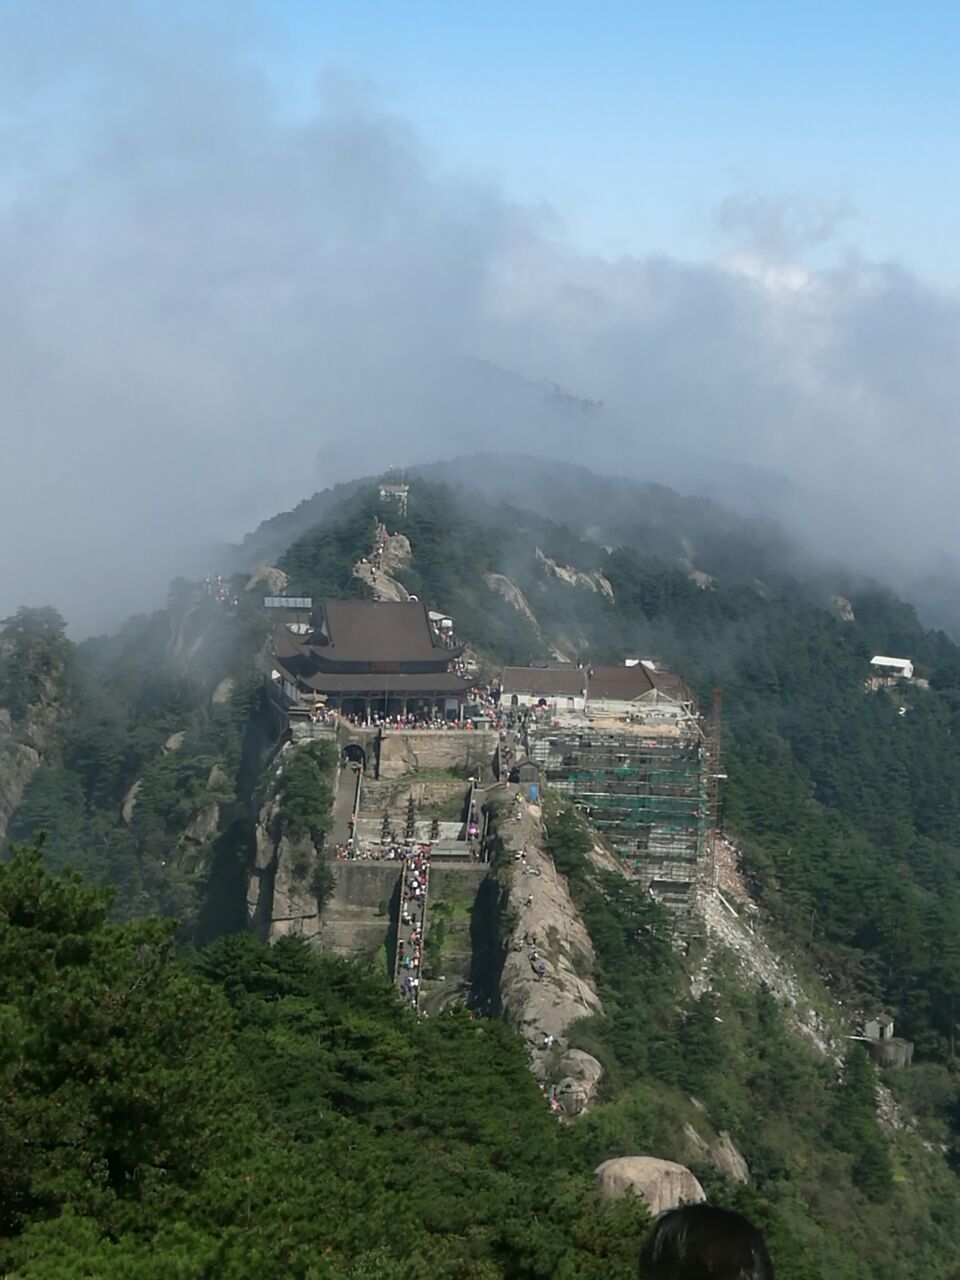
{"points": [[702, 1242]]}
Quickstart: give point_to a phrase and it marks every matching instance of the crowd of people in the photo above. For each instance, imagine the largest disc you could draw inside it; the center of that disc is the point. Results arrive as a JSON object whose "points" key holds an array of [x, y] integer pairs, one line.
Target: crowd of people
{"points": [[412, 915], [352, 850], [419, 720]]}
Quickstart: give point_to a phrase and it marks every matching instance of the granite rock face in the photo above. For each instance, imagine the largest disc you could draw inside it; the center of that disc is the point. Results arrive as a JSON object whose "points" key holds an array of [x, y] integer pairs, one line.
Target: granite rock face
{"points": [[661, 1184]]}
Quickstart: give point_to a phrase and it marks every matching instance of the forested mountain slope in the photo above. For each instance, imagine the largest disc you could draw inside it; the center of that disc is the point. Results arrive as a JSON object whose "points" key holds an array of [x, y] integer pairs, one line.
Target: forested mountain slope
{"points": [[844, 803], [35, 685], [157, 740]]}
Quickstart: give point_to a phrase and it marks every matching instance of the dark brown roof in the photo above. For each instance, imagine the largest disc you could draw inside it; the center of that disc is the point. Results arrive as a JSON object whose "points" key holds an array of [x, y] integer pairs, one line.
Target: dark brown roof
{"points": [[286, 644], [544, 681], [381, 631], [396, 684], [620, 683], [294, 652], [670, 685]]}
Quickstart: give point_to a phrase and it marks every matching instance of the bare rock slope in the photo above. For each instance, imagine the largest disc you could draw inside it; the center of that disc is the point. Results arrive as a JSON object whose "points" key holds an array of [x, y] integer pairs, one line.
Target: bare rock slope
{"points": [[548, 929], [280, 896]]}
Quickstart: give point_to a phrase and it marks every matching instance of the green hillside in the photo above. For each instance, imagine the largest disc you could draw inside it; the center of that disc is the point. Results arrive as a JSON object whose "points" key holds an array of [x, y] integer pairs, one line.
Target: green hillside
{"points": [[845, 804], [848, 810]]}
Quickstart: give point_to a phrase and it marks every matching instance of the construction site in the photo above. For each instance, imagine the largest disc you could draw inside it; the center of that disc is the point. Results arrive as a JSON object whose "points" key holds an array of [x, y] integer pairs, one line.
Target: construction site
{"points": [[647, 784]]}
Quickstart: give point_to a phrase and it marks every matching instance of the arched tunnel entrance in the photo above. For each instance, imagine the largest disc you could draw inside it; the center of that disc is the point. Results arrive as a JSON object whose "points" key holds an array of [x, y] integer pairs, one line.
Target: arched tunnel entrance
{"points": [[355, 754]]}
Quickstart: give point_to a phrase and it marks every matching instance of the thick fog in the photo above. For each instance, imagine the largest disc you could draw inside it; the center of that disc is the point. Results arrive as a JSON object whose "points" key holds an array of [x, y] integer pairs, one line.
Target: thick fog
{"points": [[210, 308]]}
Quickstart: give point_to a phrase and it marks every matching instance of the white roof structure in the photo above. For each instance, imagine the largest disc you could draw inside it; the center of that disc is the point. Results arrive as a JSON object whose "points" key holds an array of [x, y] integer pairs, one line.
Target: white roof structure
{"points": [[903, 665]]}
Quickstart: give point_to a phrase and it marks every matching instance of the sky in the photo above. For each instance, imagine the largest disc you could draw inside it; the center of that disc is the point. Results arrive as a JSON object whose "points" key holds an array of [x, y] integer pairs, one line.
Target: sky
{"points": [[250, 249], [635, 122]]}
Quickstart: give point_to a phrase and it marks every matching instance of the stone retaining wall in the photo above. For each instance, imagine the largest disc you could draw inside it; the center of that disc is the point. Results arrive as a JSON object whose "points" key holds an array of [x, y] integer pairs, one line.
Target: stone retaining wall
{"points": [[458, 888], [356, 919], [420, 749], [393, 794]]}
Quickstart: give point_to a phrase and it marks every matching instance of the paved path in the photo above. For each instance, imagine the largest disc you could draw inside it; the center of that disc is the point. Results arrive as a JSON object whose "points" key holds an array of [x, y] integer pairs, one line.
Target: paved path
{"points": [[343, 806]]}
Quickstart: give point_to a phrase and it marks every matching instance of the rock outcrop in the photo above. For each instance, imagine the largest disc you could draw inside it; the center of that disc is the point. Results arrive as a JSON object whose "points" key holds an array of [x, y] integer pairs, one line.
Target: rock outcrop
{"points": [[721, 1153], [204, 825], [591, 581], [762, 966], [703, 580], [18, 763], [29, 734], [512, 594], [728, 1160], [378, 572], [580, 1075], [130, 801], [273, 580], [662, 1184], [280, 894], [549, 925], [223, 691]]}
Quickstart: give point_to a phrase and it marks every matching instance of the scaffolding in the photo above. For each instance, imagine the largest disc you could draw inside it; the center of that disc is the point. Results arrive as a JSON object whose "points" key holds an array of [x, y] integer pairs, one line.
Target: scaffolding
{"points": [[647, 793]]}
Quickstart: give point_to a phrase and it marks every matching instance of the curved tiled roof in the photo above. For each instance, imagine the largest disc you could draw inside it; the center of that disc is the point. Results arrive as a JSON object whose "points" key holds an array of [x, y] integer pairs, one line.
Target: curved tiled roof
{"points": [[379, 631]]}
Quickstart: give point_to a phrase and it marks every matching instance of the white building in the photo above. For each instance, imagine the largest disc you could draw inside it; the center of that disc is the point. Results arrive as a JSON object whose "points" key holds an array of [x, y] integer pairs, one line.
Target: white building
{"points": [[892, 668]]}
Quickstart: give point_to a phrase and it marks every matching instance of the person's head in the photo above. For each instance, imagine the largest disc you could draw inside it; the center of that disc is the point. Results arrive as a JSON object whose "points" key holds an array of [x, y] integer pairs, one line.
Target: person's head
{"points": [[702, 1242]]}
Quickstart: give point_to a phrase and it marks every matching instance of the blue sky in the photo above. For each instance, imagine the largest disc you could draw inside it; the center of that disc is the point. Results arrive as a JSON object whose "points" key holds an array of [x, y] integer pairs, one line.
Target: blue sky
{"points": [[634, 121]]}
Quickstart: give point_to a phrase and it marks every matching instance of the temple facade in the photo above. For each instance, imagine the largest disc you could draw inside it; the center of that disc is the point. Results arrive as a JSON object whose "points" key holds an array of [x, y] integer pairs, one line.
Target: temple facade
{"points": [[370, 659]]}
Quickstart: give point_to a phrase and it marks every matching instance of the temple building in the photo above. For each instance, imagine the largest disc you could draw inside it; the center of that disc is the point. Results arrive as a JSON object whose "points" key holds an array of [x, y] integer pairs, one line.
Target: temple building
{"points": [[369, 658]]}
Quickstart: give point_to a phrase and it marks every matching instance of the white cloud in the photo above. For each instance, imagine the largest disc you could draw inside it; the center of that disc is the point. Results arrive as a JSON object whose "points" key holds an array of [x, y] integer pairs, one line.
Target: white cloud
{"points": [[210, 310]]}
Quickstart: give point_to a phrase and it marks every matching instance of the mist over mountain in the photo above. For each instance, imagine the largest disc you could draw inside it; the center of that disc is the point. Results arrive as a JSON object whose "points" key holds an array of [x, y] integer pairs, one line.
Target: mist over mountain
{"points": [[213, 305], [479, 638], [155, 762]]}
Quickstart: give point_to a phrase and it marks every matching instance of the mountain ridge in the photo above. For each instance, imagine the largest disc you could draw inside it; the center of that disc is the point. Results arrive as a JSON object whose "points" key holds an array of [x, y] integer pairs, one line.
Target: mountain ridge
{"points": [[842, 808]]}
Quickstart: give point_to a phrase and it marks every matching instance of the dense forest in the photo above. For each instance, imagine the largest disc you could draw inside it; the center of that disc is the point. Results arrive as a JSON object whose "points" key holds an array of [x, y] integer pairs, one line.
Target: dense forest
{"points": [[844, 803], [254, 1111]]}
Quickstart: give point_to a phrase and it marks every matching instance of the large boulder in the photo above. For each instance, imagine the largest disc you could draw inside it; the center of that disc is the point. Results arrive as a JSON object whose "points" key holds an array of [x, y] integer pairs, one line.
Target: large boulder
{"points": [[581, 1074], [662, 1184]]}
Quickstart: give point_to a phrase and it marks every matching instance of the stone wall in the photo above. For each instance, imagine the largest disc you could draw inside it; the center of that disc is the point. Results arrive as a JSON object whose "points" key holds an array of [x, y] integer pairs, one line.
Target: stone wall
{"points": [[453, 896], [356, 919], [421, 749], [393, 794], [895, 1052], [303, 729]]}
